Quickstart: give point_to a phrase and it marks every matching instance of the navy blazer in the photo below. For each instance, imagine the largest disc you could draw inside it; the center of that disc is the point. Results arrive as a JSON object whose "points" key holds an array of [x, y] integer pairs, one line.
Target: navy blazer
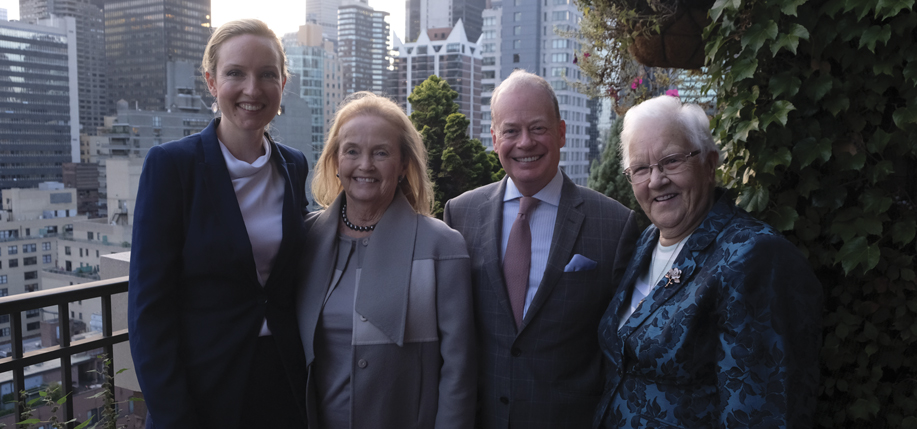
{"points": [[195, 306], [548, 373], [730, 342]]}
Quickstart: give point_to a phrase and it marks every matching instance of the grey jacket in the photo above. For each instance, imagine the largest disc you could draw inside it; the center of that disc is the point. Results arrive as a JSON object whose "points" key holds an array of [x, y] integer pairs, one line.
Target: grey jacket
{"points": [[414, 345]]}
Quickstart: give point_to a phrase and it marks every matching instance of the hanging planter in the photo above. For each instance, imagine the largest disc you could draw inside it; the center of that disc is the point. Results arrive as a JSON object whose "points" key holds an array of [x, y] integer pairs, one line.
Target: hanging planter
{"points": [[672, 36]]}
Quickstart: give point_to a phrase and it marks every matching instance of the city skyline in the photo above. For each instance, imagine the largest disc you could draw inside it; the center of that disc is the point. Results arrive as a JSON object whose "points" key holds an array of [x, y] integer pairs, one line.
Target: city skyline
{"points": [[282, 20]]}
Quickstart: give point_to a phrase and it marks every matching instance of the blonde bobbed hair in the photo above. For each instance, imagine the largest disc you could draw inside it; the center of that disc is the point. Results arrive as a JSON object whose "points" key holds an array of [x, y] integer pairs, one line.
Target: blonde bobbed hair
{"points": [[416, 186], [232, 29]]}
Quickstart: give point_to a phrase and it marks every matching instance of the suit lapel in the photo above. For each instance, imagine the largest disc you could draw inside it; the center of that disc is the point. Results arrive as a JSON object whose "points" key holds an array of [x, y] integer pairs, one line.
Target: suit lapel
{"points": [[292, 221], [320, 256], [383, 297], [567, 227], [490, 218], [218, 187]]}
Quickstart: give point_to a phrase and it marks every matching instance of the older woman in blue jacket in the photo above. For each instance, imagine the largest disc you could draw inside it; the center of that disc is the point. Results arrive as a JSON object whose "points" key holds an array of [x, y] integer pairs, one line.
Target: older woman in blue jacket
{"points": [[717, 322]]}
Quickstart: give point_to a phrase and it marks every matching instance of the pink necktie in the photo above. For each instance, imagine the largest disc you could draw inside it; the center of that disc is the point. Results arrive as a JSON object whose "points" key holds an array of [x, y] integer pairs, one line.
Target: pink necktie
{"points": [[518, 258]]}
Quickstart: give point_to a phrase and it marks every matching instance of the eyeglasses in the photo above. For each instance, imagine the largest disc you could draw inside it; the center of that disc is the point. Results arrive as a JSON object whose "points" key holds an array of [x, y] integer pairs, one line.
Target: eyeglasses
{"points": [[674, 163]]}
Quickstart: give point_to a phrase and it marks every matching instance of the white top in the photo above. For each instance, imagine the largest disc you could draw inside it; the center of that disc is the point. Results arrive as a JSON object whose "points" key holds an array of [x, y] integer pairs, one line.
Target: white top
{"points": [[541, 222], [663, 259], [259, 191]]}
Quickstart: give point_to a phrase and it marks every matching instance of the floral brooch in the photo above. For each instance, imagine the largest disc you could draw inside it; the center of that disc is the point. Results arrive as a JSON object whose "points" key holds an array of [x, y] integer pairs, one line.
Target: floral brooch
{"points": [[673, 276]]}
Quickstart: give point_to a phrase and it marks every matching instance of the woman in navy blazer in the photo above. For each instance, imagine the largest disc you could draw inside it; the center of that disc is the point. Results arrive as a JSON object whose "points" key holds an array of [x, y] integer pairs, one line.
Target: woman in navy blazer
{"points": [[218, 229]]}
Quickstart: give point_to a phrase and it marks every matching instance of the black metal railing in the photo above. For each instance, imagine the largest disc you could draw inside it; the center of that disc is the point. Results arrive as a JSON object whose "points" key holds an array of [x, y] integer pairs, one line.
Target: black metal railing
{"points": [[61, 298]]}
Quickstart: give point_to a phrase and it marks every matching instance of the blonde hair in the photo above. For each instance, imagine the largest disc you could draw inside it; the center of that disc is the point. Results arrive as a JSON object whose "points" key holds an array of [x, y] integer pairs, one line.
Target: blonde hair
{"points": [[232, 29], [416, 186]]}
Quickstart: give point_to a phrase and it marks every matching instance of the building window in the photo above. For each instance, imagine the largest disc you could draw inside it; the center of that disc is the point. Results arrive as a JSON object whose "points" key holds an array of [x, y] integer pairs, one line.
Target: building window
{"points": [[517, 30], [490, 20], [32, 313], [560, 43], [489, 47], [4, 318], [31, 275], [34, 326], [31, 287], [560, 58], [4, 291], [517, 44], [489, 34], [81, 252], [5, 332], [89, 235], [560, 15], [32, 260], [46, 245], [517, 16], [515, 58], [13, 263], [29, 248], [66, 250], [12, 250], [45, 259], [488, 61]]}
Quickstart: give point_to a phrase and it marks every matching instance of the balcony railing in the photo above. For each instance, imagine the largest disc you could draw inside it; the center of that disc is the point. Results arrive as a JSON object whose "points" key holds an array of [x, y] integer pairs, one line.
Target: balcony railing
{"points": [[61, 298]]}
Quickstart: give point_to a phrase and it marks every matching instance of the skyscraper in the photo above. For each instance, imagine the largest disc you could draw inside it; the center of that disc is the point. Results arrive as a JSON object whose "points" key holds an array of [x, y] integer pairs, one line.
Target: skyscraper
{"points": [[363, 47], [90, 53], [454, 59], [38, 101], [142, 37], [325, 14], [421, 15]]}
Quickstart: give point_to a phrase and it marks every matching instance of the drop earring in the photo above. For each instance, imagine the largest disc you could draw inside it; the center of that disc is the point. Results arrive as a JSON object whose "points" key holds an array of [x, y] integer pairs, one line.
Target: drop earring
{"points": [[215, 107]]}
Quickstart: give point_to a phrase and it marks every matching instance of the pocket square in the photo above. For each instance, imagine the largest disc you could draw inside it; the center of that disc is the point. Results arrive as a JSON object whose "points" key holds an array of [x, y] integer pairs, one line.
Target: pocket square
{"points": [[580, 263]]}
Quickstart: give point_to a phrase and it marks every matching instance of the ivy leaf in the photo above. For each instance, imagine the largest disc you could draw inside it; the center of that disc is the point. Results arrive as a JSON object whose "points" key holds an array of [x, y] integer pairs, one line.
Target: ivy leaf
{"points": [[789, 8], [886, 67], [790, 40], [903, 231], [784, 83], [864, 409], [875, 201], [757, 34], [754, 199], [722, 5], [744, 128], [904, 116], [837, 103], [778, 112], [782, 157], [783, 218], [744, 69], [910, 71], [892, 7], [857, 251], [875, 34], [879, 140], [820, 86]]}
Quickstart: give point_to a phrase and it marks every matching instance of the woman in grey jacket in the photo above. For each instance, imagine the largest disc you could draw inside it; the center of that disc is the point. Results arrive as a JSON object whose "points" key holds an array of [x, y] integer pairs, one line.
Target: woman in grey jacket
{"points": [[385, 306]]}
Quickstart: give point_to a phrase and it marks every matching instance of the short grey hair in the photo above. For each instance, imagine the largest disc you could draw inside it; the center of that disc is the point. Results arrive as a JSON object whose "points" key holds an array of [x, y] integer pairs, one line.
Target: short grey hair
{"points": [[517, 78], [690, 118]]}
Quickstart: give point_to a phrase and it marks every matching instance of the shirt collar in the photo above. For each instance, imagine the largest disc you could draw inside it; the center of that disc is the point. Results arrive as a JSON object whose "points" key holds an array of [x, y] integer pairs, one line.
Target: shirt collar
{"points": [[549, 194]]}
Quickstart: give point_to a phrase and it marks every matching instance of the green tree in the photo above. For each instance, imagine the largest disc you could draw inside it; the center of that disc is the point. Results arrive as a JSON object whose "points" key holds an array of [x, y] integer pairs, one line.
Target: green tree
{"points": [[817, 115], [456, 163], [607, 176]]}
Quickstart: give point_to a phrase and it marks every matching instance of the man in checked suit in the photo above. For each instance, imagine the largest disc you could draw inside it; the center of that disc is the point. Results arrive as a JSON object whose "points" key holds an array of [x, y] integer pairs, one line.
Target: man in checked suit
{"points": [[539, 367]]}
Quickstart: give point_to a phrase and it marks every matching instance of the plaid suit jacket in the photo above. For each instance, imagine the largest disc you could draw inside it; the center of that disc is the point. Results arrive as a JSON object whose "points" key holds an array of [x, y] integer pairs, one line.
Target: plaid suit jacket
{"points": [[548, 374]]}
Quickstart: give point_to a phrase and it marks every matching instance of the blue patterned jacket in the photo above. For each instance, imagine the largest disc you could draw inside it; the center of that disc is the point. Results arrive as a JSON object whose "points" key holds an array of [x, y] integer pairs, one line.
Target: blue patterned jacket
{"points": [[733, 344]]}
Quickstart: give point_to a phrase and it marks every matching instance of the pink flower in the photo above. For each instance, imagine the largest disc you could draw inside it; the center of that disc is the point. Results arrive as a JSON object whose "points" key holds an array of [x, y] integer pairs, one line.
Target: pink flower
{"points": [[637, 82], [672, 93], [585, 55]]}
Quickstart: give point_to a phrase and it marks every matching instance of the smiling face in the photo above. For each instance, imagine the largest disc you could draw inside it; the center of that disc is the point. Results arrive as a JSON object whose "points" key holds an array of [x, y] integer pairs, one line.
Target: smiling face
{"points": [[369, 162], [528, 136], [248, 84], [675, 203]]}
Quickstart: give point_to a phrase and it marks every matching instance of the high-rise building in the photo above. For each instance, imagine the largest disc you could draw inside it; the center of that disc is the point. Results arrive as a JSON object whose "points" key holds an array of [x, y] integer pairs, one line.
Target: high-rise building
{"points": [[142, 37], [454, 59], [363, 47], [90, 53], [325, 14], [38, 101], [421, 15], [531, 36], [490, 67]]}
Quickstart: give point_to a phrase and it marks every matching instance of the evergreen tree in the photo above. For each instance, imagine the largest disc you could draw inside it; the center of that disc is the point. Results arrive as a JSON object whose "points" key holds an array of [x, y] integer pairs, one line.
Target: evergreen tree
{"points": [[456, 162], [607, 176]]}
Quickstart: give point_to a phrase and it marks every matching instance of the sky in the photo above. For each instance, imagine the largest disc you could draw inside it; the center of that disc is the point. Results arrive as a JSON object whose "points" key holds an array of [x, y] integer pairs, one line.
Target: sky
{"points": [[283, 16]]}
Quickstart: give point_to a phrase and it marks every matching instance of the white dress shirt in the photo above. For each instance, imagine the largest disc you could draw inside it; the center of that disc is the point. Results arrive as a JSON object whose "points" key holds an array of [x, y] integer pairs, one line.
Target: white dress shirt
{"points": [[259, 191], [541, 222]]}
